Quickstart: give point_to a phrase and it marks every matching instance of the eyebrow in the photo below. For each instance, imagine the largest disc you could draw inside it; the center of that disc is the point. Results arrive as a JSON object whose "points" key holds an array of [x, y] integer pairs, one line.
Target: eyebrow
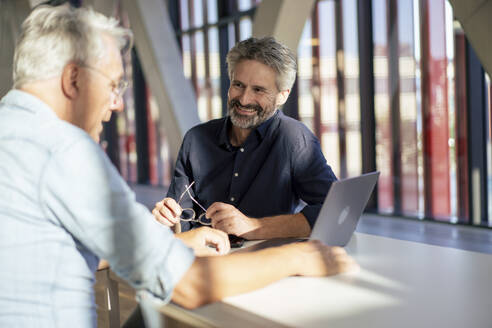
{"points": [[259, 87], [262, 88]]}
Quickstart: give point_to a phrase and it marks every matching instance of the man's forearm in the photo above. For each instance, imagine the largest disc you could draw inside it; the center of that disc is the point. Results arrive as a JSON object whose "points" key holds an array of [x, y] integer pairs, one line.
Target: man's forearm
{"points": [[212, 278], [289, 225]]}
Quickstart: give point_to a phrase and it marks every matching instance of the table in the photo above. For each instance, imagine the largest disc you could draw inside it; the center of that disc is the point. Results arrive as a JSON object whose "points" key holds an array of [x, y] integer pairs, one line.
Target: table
{"points": [[401, 284]]}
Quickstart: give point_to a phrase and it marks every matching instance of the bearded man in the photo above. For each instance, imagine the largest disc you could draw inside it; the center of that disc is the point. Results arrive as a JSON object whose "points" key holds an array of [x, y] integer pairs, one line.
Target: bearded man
{"points": [[256, 173]]}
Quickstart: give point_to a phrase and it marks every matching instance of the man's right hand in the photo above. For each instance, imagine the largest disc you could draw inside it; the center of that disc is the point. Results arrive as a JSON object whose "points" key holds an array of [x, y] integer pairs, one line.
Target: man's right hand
{"points": [[206, 241], [167, 212], [318, 259]]}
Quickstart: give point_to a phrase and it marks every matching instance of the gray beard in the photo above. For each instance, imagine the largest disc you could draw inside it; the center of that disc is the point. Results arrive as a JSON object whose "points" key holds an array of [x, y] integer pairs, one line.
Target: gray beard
{"points": [[249, 122]]}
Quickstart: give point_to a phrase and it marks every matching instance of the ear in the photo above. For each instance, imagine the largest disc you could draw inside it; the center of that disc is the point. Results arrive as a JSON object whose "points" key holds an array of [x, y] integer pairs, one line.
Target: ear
{"points": [[70, 80], [282, 97]]}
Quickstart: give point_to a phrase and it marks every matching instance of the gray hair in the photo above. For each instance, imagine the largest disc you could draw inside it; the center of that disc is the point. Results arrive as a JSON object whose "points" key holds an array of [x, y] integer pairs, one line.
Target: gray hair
{"points": [[52, 37], [267, 51]]}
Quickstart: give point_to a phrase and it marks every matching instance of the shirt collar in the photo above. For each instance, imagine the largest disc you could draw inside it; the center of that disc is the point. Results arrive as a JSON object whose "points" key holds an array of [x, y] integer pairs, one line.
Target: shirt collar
{"points": [[28, 102], [223, 137], [260, 130], [263, 127]]}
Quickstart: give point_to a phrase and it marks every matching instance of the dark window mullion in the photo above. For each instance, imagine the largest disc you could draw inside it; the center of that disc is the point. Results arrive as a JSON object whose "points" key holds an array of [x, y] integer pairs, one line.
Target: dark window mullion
{"points": [[316, 77], [477, 151], [223, 7], [394, 94], [341, 88], [141, 135], [194, 80], [206, 53], [366, 94], [175, 16]]}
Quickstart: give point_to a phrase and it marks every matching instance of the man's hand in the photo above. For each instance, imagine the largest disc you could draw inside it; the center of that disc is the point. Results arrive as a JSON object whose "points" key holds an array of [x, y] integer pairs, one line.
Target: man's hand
{"points": [[229, 219], [103, 264], [206, 241], [317, 259], [167, 212]]}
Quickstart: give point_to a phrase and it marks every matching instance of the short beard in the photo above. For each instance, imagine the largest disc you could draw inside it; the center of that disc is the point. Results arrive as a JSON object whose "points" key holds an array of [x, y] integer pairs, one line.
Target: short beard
{"points": [[248, 122]]}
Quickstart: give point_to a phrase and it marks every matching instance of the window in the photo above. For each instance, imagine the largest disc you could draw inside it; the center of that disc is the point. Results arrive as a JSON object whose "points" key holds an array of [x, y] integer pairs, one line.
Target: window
{"points": [[427, 88]]}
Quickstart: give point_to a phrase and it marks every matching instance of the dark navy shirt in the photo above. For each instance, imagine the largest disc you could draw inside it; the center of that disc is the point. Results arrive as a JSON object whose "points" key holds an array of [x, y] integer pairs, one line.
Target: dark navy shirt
{"points": [[278, 169]]}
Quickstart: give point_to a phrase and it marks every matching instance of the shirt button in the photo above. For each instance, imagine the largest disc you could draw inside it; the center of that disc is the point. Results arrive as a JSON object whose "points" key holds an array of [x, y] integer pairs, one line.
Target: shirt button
{"points": [[241, 150], [232, 199], [236, 174]]}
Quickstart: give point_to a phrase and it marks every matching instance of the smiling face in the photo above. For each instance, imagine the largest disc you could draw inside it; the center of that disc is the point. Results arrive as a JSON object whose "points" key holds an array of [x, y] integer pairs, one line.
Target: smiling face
{"points": [[97, 100], [253, 95]]}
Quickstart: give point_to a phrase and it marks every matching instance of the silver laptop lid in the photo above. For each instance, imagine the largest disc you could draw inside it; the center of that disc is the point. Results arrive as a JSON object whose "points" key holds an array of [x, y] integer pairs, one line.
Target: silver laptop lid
{"points": [[342, 209]]}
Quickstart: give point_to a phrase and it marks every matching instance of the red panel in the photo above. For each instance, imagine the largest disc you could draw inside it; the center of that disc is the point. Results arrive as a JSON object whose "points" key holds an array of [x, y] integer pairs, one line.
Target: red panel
{"points": [[435, 110], [384, 142], [461, 129], [152, 138]]}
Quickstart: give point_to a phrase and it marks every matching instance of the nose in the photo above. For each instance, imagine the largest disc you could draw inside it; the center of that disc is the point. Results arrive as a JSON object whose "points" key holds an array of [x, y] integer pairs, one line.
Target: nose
{"points": [[246, 97], [117, 104]]}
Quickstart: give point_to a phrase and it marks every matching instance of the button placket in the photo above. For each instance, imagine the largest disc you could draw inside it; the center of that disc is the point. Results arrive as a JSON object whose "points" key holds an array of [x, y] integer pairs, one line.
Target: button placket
{"points": [[235, 183]]}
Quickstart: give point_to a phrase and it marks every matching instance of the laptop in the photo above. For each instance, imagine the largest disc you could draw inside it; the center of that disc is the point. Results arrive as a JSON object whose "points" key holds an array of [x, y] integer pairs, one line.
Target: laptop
{"points": [[339, 214]]}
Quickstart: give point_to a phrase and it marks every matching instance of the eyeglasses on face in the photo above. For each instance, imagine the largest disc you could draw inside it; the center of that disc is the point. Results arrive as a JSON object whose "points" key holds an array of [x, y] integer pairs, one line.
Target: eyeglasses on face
{"points": [[118, 88], [188, 214]]}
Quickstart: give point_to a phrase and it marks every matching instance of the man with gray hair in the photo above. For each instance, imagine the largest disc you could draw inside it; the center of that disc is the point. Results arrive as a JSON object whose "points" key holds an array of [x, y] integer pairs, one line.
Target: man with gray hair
{"points": [[63, 205], [249, 173]]}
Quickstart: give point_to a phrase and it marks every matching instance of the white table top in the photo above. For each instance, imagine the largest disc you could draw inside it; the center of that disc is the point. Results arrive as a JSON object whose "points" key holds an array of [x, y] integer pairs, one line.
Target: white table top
{"points": [[401, 284]]}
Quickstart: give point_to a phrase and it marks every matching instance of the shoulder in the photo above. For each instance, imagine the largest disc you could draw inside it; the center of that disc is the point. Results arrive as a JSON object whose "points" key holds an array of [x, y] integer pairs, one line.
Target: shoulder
{"points": [[204, 131], [212, 126], [78, 161], [294, 132], [67, 138], [46, 136]]}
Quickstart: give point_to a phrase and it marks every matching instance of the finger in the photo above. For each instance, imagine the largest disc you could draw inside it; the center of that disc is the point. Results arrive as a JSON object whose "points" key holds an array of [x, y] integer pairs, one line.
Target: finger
{"points": [[220, 226], [215, 207], [223, 214], [347, 264], [315, 242], [173, 206], [158, 205], [219, 240], [168, 214], [159, 218], [335, 250], [210, 230], [205, 251], [337, 260], [227, 226], [216, 219], [155, 213]]}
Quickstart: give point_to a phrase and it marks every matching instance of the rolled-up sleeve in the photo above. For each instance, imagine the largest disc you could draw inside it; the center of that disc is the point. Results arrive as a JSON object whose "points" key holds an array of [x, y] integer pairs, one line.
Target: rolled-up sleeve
{"points": [[312, 176], [82, 192]]}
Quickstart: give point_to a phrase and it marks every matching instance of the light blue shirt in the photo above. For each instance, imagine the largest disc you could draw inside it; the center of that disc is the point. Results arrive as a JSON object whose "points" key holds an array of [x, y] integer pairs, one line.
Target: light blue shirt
{"points": [[63, 206]]}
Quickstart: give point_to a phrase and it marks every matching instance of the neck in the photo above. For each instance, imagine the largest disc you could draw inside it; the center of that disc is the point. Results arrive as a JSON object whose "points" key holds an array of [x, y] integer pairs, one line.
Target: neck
{"points": [[46, 91], [237, 135]]}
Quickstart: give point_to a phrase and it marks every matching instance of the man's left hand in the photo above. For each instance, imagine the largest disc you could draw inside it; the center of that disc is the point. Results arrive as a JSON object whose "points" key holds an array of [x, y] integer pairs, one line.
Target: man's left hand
{"points": [[229, 219]]}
